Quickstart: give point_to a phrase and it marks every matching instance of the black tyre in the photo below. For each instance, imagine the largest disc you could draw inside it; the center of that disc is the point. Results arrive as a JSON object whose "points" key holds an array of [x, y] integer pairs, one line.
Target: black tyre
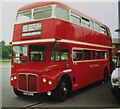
{"points": [[18, 93], [62, 91]]}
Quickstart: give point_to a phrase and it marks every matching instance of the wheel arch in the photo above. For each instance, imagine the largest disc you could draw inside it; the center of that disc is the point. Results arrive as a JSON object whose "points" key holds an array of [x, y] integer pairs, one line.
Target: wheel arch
{"points": [[106, 70], [67, 77], [106, 74]]}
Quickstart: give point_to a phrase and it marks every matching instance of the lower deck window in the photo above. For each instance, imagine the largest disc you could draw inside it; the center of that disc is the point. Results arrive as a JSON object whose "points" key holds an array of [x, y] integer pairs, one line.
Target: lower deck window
{"points": [[87, 54], [59, 55], [99, 55], [77, 55], [104, 55], [93, 54], [84, 55]]}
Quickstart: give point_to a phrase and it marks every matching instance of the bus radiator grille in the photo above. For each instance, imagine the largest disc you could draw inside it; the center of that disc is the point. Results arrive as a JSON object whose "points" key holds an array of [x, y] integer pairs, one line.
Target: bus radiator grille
{"points": [[22, 82], [32, 83], [27, 82]]}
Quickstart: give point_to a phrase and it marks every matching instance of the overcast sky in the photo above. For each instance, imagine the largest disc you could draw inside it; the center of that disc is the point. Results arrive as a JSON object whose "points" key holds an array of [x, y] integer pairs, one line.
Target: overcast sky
{"points": [[105, 12]]}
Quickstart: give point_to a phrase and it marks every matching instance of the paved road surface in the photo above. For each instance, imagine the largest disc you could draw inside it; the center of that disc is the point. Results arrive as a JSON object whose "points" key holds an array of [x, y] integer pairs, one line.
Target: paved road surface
{"points": [[93, 96]]}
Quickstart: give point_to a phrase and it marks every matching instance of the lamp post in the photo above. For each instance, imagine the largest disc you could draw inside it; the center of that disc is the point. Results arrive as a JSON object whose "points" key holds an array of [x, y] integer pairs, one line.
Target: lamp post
{"points": [[119, 18], [118, 30]]}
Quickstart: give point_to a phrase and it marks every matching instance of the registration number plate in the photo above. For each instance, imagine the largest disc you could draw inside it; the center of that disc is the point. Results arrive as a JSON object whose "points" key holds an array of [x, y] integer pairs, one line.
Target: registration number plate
{"points": [[28, 93]]}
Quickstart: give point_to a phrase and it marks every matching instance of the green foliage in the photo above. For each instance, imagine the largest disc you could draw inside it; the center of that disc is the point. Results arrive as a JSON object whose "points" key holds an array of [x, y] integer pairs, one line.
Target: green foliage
{"points": [[5, 50]]}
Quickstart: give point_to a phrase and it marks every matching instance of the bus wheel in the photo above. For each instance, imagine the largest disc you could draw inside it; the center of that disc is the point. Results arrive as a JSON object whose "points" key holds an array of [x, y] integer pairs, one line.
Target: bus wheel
{"points": [[106, 77], [17, 92], [62, 90]]}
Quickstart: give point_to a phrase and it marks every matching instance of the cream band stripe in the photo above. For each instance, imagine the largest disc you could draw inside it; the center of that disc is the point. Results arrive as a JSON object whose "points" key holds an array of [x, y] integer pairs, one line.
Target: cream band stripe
{"points": [[61, 40]]}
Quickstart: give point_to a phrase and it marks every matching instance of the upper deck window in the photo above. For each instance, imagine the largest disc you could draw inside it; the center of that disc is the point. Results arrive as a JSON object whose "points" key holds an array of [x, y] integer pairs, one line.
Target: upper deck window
{"points": [[24, 16], [43, 12], [85, 22], [96, 27], [61, 13], [108, 31], [75, 18], [103, 30], [34, 14]]}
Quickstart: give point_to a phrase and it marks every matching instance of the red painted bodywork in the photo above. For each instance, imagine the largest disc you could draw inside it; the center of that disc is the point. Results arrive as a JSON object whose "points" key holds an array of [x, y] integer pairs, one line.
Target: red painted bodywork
{"points": [[59, 29]]}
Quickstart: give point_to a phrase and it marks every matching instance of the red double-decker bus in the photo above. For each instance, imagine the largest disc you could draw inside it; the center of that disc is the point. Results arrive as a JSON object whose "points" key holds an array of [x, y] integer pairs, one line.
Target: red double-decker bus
{"points": [[57, 49]]}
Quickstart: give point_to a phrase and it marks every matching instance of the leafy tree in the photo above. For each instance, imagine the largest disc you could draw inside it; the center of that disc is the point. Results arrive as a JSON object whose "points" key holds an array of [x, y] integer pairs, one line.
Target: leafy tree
{"points": [[5, 50]]}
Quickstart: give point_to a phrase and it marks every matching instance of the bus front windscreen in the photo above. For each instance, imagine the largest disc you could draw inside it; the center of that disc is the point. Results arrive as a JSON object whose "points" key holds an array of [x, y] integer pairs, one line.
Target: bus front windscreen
{"points": [[20, 54]]}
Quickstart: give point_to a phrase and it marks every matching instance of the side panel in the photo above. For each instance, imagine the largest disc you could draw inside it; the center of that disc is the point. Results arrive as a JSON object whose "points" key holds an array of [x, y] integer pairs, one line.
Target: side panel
{"points": [[86, 72], [70, 31]]}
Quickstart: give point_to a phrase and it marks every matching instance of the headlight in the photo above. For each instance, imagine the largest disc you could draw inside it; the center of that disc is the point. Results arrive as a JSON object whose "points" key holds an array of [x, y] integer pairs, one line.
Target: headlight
{"points": [[12, 79], [15, 77], [115, 80], [44, 80], [49, 82]]}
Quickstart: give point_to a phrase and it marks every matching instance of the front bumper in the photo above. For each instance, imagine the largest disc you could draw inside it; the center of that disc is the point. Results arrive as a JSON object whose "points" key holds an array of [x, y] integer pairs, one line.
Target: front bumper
{"points": [[115, 90]]}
